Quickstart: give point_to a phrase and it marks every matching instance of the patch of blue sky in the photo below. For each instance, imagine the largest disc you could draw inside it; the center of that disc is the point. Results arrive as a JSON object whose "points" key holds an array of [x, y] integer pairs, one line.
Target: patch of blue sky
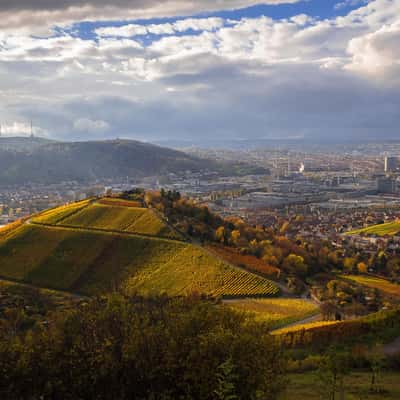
{"points": [[318, 9]]}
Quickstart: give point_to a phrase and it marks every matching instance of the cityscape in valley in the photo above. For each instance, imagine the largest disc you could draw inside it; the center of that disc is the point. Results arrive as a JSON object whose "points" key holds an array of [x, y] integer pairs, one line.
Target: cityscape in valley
{"points": [[200, 200], [333, 192]]}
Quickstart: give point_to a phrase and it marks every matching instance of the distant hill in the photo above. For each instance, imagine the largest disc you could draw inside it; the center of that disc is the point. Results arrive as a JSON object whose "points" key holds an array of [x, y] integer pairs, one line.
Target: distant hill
{"points": [[36, 160], [22, 144], [94, 246]]}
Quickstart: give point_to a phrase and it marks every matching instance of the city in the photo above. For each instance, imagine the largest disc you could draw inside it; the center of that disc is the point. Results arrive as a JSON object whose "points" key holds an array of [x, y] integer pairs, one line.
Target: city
{"points": [[322, 187]]}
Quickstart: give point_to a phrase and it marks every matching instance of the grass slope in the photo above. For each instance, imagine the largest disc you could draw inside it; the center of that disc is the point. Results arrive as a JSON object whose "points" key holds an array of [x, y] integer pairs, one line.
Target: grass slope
{"points": [[276, 312], [390, 228]]}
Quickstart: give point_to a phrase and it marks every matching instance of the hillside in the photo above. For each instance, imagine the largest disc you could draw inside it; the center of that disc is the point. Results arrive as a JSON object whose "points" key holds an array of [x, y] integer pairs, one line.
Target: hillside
{"points": [[56, 263], [95, 246], [108, 218], [40, 161], [22, 144], [390, 228], [277, 312], [380, 284]]}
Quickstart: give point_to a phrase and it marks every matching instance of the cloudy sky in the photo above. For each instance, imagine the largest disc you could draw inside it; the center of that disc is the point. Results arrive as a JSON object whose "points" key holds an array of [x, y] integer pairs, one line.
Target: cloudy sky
{"points": [[200, 70]]}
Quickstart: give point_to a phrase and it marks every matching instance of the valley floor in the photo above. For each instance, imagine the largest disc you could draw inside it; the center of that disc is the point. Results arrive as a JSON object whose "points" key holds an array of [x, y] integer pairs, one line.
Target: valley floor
{"points": [[306, 386]]}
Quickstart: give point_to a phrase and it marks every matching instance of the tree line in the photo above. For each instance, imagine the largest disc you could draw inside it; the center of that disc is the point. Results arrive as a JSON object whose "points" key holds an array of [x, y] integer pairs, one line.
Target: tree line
{"points": [[134, 348]]}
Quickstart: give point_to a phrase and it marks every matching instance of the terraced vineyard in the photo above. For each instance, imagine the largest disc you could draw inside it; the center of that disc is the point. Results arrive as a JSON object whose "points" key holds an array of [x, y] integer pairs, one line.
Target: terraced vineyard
{"points": [[92, 248], [276, 312], [105, 217], [251, 263], [8, 229], [193, 269], [375, 283], [81, 261], [390, 228], [116, 218], [57, 215], [111, 201]]}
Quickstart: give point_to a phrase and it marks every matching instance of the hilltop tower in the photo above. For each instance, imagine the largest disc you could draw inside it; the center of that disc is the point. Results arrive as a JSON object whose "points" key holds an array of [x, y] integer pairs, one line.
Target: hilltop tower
{"points": [[32, 135]]}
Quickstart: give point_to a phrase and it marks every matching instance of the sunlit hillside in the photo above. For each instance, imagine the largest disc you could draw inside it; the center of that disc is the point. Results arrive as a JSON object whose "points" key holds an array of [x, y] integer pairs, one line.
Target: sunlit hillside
{"points": [[390, 228], [95, 246]]}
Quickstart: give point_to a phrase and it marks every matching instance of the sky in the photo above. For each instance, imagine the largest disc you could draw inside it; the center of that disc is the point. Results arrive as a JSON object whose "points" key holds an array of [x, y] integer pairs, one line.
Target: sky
{"points": [[164, 70]]}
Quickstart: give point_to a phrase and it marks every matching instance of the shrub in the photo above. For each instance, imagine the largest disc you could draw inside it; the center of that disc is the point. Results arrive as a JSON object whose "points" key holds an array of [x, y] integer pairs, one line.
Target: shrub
{"points": [[160, 348]]}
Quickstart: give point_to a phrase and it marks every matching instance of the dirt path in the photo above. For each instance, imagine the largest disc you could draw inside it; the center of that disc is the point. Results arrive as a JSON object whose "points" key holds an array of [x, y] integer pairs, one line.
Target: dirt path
{"points": [[102, 231]]}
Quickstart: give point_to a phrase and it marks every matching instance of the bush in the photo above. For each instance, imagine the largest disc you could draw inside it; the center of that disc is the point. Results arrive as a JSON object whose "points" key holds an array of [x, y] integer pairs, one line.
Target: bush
{"points": [[119, 348]]}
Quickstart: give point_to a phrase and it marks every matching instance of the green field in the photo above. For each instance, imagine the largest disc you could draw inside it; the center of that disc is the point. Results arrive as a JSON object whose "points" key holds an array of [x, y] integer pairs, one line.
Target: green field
{"points": [[307, 386], [91, 262], [390, 228], [276, 312]]}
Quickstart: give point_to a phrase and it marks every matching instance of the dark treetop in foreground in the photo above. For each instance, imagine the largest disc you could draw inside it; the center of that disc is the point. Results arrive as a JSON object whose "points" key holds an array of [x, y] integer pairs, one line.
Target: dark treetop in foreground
{"points": [[119, 348]]}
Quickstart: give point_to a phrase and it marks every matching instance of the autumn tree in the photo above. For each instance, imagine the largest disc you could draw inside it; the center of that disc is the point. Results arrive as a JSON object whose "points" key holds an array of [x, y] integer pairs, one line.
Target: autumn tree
{"points": [[332, 371], [226, 389], [376, 359], [328, 310], [295, 264], [235, 236], [362, 268], [221, 235], [349, 264]]}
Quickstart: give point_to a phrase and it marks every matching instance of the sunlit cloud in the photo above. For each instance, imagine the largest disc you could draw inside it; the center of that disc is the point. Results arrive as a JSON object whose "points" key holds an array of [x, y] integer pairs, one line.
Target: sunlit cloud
{"points": [[254, 76]]}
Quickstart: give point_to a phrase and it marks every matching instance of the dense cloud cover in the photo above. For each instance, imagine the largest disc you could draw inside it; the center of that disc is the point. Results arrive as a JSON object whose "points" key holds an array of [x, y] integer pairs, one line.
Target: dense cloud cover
{"points": [[205, 5], [209, 76], [41, 15]]}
